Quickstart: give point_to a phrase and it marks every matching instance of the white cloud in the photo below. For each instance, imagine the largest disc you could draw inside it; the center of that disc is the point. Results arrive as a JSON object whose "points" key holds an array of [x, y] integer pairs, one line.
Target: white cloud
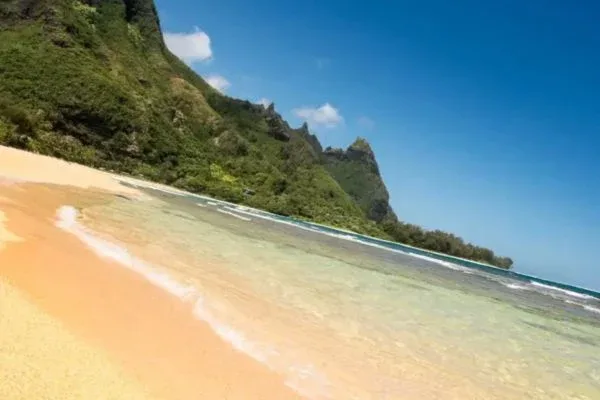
{"points": [[366, 123], [190, 47], [326, 115], [264, 102], [218, 82]]}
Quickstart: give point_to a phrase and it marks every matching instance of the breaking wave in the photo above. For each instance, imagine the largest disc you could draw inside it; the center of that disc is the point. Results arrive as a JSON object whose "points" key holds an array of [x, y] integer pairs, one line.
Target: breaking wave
{"points": [[514, 286], [304, 379], [563, 291]]}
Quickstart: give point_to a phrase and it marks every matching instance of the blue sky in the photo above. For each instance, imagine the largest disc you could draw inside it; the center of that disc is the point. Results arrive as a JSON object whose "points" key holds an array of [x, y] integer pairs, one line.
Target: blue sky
{"points": [[485, 118]]}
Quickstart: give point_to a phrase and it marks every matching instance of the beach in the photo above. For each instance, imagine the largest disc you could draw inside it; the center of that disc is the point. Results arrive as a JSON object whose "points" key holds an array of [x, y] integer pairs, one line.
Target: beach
{"points": [[77, 326], [141, 291]]}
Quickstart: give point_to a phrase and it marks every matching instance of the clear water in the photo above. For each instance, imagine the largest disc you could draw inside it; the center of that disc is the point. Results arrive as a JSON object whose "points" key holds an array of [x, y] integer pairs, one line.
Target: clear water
{"points": [[342, 320]]}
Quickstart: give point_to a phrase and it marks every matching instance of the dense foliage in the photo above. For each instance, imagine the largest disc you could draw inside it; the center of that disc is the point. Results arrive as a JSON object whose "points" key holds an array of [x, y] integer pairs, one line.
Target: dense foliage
{"points": [[91, 81], [357, 172]]}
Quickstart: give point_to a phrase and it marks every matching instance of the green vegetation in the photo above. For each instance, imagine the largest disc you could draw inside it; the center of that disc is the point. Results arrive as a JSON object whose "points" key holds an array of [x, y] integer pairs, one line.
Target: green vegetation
{"points": [[357, 172], [92, 82]]}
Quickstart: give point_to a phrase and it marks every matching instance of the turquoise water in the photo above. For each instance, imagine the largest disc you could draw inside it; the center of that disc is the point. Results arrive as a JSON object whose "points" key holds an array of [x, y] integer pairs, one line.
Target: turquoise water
{"points": [[343, 320]]}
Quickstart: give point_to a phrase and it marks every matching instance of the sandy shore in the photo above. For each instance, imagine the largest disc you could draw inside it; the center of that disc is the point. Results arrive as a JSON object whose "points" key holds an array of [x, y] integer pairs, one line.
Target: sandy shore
{"points": [[21, 165], [41, 359], [6, 236], [74, 326]]}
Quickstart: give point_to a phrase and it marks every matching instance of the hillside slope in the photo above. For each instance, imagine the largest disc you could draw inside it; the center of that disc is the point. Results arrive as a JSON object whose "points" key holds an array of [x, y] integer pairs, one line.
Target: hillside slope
{"points": [[92, 81], [357, 172]]}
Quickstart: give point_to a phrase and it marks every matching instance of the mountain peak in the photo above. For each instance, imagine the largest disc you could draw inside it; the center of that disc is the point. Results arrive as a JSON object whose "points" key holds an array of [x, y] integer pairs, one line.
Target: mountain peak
{"points": [[361, 144], [357, 172], [143, 13], [361, 149], [98, 86]]}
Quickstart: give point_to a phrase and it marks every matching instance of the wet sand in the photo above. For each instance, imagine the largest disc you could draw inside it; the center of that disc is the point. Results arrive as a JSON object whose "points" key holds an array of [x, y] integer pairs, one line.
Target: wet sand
{"points": [[147, 334], [6, 236]]}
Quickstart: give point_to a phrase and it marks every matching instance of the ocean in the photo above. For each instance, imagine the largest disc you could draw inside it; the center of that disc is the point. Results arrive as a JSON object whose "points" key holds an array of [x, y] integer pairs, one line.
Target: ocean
{"points": [[344, 316]]}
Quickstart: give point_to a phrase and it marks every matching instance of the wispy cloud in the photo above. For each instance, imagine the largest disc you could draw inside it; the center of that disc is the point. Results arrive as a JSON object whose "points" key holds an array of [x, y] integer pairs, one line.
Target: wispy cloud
{"points": [[366, 123], [190, 47], [326, 115], [264, 102], [218, 82]]}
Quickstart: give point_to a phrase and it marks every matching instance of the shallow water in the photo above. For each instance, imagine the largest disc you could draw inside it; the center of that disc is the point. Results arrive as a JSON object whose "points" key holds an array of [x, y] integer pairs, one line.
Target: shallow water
{"points": [[338, 319]]}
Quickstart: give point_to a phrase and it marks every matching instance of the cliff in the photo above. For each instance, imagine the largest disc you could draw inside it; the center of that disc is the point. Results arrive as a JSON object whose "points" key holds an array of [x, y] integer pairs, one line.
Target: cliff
{"points": [[357, 171], [92, 81]]}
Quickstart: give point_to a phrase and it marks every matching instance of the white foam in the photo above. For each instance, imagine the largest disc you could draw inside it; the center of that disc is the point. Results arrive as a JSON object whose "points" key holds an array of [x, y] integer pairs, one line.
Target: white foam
{"points": [[273, 217], [514, 286], [201, 205], [443, 263], [357, 240], [592, 309], [564, 291], [234, 215], [584, 306], [67, 220]]}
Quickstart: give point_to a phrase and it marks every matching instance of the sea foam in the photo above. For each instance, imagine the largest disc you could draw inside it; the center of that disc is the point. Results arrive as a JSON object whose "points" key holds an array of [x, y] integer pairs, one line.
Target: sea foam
{"points": [[584, 306], [514, 286], [233, 214], [564, 291], [67, 220], [351, 238]]}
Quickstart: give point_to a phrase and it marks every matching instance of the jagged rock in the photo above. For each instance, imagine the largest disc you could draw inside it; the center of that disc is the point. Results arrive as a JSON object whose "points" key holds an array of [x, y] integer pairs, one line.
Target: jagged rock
{"points": [[357, 172], [312, 140], [278, 128]]}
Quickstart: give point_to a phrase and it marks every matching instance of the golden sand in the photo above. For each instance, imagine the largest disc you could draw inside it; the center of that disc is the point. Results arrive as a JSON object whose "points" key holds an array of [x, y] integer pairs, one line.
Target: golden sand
{"points": [[24, 166], [5, 235], [150, 335], [41, 359]]}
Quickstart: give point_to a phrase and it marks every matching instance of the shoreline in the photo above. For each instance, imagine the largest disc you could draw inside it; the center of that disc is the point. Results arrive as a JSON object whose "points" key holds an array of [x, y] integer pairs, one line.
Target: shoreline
{"points": [[41, 359], [18, 161], [149, 333]]}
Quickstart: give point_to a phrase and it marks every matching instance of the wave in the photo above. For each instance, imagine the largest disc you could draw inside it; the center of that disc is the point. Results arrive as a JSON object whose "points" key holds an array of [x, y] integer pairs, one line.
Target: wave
{"points": [[592, 309], [233, 214], [584, 306], [296, 377], [564, 291], [273, 217], [446, 264], [351, 238], [67, 220], [514, 286]]}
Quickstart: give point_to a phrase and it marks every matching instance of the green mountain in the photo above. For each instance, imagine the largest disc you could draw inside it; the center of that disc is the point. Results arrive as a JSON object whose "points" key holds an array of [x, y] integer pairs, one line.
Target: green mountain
{"points": [[92, 81], [357, 172]]}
